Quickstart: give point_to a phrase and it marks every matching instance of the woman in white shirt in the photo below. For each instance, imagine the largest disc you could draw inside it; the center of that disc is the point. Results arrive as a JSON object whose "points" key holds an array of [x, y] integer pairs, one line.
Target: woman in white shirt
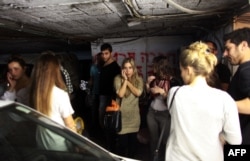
{"points": [[200, 114], [49, 96]]}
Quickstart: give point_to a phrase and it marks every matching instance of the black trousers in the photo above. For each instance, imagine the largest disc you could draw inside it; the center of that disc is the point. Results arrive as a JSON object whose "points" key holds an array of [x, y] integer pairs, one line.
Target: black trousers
{"points": [[127, 145]]}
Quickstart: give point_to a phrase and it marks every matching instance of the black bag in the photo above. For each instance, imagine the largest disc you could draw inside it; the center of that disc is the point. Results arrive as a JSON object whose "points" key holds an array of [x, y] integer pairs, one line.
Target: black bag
{"points": [[112, 121], [113, 118]]}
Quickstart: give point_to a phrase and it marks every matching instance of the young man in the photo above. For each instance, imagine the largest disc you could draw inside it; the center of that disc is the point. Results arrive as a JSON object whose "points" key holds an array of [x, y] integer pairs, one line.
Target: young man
{"points": [[108, 72], [237, 50], [222, 71]]}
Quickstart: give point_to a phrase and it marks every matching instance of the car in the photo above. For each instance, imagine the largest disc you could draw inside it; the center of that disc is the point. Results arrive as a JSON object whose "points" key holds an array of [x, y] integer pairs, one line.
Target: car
{"points": [[18, 138]]}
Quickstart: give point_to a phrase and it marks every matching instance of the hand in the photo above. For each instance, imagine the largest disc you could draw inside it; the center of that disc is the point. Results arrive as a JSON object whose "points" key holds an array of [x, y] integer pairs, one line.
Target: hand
{"points": [[150, 79], [124, 76], [11, 81], [156, 90]]}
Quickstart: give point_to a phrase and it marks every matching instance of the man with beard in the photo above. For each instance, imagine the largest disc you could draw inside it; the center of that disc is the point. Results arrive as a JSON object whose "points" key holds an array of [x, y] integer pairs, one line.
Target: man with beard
{"points": [[237, 50]]}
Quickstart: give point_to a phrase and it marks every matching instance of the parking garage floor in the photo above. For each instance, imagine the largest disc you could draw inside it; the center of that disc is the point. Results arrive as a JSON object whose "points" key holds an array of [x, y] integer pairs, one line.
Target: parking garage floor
{"points": [[142, 144]]}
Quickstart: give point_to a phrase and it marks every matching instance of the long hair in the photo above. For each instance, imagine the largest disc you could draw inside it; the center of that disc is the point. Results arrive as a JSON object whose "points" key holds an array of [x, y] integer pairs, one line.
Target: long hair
{"points": [[162, 68], [46, 74], [135, 78]]}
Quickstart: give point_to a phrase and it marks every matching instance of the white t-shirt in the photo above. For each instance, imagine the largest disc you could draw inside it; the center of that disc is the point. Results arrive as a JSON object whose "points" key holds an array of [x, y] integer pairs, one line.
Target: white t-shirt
{"points": [[21, 96], [198, 116], [61, 108]]}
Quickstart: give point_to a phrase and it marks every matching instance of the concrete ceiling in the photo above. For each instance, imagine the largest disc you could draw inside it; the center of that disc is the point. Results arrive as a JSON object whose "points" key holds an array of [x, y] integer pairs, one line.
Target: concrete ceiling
{"points": [[90, 20]]}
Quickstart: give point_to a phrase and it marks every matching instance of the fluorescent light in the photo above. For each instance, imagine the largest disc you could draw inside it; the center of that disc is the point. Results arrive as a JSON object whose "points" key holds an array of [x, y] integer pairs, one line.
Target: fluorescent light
{"points": [[133, 23]]}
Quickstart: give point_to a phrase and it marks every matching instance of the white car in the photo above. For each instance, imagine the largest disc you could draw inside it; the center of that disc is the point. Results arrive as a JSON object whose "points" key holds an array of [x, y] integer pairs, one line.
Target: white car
{"points": [[18, 124]]}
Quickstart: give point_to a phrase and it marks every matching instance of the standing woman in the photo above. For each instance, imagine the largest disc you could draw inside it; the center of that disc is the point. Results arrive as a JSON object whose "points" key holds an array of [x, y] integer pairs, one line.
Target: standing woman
{"points": [[48, 95], [158, 86], [128, 86], [200, 114], [18, 81]]}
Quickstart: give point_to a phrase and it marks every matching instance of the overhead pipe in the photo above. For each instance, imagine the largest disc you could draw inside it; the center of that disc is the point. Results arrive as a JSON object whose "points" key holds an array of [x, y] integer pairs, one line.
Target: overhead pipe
{"points": [[137, 17], [189, 11]]}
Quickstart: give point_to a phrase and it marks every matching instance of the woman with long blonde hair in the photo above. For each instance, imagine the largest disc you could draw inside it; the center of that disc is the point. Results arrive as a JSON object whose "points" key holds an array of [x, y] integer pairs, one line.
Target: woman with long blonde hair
{"points": [[128, 86], [48, 95]]}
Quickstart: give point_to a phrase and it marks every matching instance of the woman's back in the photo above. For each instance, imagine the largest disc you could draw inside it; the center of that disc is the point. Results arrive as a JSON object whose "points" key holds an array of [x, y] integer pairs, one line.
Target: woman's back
{"points": [[199, 115], [61, 106]]}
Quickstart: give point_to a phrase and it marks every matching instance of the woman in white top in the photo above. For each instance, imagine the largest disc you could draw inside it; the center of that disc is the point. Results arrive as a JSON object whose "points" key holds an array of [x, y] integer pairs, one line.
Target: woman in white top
{"points": [[18, 81], [200, 114], [48, 95]]}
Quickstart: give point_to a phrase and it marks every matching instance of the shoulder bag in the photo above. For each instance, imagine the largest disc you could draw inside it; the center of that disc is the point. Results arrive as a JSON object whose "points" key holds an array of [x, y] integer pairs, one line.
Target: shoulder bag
{"points": [[112, 117]]}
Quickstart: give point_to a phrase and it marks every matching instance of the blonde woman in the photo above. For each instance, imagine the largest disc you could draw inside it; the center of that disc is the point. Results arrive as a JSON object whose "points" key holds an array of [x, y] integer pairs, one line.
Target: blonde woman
{"points": [[128, 86], [49, 96], [200, 113]]}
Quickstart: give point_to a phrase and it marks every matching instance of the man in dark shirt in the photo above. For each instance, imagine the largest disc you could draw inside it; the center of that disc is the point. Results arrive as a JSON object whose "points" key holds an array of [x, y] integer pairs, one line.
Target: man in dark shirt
{"points": [[108, 72], [237, 50], [223, 74]]}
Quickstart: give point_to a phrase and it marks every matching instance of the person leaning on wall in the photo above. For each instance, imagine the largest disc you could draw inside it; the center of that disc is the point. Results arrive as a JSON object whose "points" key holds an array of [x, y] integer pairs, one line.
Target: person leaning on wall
{"points": [[200, 114], [237, 51]]}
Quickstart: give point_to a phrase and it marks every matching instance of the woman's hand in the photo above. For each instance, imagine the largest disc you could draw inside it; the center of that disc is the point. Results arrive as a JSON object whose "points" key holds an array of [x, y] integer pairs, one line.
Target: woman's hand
{"points": [[150, 79], [124, 76], [12, 82], [70, 123], [157, 90]]}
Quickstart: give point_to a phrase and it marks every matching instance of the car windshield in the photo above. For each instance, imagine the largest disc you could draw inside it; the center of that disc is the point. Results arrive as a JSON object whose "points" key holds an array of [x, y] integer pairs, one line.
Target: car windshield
{"points": [[20, 135]]}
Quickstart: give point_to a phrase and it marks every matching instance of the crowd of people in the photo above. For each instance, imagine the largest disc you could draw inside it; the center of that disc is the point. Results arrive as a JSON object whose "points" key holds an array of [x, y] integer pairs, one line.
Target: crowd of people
{"points": [[210, 109]]}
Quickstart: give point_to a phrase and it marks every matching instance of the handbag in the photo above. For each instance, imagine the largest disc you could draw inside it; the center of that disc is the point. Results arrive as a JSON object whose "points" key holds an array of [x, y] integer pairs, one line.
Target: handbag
{"points": [[112, 117], [79, 124], [156, 152]]}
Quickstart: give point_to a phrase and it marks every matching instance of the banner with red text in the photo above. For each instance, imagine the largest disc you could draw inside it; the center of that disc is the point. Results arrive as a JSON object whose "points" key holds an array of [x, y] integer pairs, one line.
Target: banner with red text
{"points": [[143, 50]]}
